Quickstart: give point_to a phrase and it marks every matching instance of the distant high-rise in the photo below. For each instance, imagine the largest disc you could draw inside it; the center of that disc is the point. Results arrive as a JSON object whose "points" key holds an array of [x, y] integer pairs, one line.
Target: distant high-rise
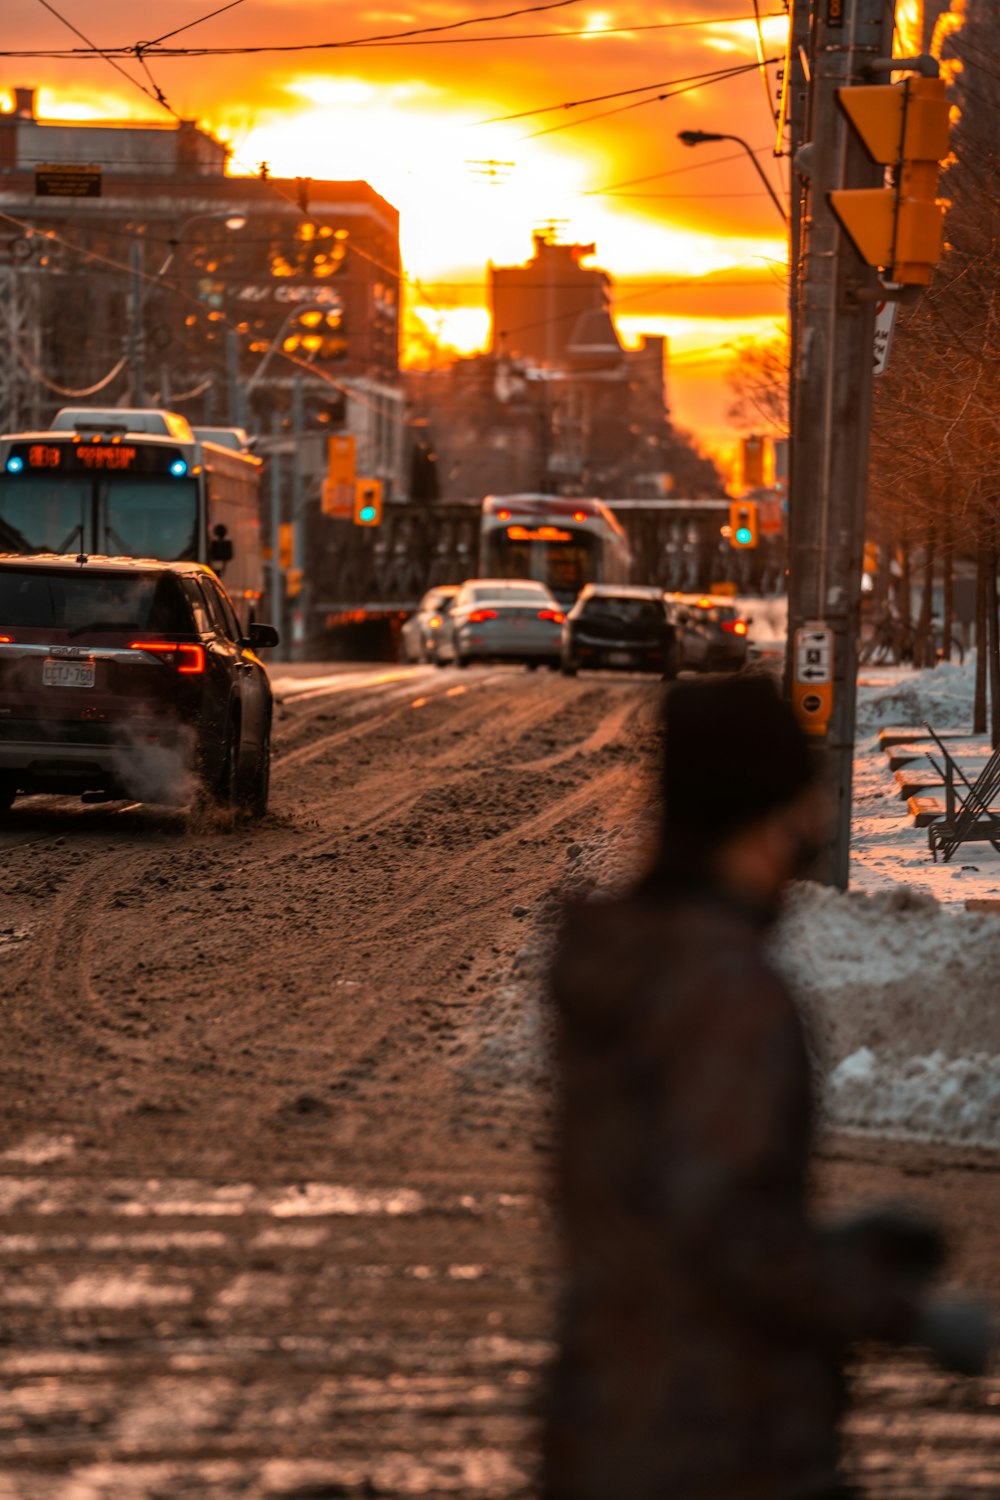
{"points": [[553, 311]]}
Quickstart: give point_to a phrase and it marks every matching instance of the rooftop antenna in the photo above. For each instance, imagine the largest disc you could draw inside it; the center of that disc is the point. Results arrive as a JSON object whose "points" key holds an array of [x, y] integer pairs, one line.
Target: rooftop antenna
{"points": [[496, 172]]}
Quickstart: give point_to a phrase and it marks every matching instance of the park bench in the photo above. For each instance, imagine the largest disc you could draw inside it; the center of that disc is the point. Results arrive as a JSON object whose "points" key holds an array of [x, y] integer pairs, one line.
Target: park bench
{"points": [[969, 812]]}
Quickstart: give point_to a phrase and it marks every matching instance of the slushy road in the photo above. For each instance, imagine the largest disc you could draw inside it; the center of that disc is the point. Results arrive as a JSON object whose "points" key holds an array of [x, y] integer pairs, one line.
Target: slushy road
{"points": [[275, 1123]]}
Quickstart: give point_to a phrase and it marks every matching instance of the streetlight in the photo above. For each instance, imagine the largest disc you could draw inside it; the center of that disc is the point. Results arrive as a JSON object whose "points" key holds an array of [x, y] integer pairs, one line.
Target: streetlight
{"points": [[231, 221], [699, 137], [302, 310]]}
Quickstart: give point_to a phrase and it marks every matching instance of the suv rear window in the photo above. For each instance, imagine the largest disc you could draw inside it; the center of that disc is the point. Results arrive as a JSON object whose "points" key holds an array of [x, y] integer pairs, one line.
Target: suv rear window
{"points": [[32, 599], [628, 611]]}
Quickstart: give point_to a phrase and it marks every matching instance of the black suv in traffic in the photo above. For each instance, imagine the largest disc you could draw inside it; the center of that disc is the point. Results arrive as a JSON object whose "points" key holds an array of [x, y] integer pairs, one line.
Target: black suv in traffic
{"points": [[711, 633], [129, 678], [617, 625]]}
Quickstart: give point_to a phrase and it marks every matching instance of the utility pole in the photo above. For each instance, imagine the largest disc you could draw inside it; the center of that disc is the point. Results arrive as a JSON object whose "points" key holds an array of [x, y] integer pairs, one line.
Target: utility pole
{"points": [[299, 615], [136, 332], [832, 388]]}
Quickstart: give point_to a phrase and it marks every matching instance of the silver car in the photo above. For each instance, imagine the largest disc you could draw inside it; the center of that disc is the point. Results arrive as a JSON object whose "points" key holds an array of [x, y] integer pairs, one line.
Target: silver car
{"points": [[418, 639], [502, 619]]}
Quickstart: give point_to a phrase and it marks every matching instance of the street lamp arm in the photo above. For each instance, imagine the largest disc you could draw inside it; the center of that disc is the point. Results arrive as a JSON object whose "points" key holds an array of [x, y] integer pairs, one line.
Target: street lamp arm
{"points": [[700, 137], [293, 312]]}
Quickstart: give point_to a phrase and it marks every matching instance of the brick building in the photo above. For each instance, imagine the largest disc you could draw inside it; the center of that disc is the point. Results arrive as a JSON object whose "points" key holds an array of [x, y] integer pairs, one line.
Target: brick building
{"points": [[159, 278]]}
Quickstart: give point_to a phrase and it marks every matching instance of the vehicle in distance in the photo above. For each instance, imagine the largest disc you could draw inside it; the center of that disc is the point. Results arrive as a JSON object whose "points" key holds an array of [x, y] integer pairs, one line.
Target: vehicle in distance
{"points": [[619, 626], [125, 678], [493, 619], [561, 543], [711, 633], [136, 483], [418, 639]]}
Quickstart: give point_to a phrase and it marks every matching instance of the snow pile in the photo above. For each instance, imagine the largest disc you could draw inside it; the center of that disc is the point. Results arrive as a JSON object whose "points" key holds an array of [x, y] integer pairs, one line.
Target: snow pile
{"points": [[768, 618], [936, 1097], [899, 996], [941, 696]]}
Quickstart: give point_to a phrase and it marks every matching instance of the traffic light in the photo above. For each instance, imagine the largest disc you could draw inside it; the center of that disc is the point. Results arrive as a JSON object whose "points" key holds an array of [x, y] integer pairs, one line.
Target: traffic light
{"points": [[743, 529], [368, 502], [906, 127], [338, 490]]}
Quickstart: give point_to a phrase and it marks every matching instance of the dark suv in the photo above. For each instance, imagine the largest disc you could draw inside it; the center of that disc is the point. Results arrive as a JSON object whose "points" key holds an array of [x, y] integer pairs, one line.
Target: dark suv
{"points": [[614, 625], [126, 678], [711, 633]]}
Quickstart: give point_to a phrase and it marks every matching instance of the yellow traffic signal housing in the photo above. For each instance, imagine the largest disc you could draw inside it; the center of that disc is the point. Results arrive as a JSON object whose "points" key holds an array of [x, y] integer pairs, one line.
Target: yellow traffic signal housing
{"points": [[337, 492], [340, 459], [743, 527], [905, 126], [368, 502]]}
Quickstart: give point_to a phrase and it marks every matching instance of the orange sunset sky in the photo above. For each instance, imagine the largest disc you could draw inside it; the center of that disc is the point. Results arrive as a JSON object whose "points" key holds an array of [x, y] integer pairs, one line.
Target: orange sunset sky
{"points": [[696, 247]]}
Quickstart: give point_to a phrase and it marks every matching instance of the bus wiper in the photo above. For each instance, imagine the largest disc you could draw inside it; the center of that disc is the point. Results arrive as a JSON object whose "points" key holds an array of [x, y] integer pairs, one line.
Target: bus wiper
{"points": [[76, 535], [111, 535]]}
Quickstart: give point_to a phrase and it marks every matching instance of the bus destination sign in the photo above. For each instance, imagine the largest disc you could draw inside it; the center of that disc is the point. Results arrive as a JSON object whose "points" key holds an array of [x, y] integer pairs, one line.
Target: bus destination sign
{"points": [[76, 456]]}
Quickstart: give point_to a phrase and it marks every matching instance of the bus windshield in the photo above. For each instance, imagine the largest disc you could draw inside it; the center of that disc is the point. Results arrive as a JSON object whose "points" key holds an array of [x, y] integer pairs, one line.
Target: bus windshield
{"points": [[134, 517], [44, 514], [564, 567], [149, 518]]}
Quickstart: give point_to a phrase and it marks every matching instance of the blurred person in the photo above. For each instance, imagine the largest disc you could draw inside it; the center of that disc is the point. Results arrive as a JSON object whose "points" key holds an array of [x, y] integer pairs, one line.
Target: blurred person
{"points": [[706, 1320]]}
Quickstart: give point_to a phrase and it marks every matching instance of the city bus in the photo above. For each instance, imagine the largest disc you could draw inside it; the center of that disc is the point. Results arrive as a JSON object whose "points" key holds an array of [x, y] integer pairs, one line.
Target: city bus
{"points": [[563, 543], [134, 484]]}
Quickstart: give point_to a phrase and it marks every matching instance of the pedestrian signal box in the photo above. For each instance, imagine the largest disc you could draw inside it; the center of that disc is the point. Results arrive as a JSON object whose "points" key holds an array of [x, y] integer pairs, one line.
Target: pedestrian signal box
{"points": [[905, 126], [812, 677], [368, 502], [743, 524]]}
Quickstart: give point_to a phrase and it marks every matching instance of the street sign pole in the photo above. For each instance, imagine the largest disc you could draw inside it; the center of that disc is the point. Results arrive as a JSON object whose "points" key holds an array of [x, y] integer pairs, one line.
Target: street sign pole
{"points": [[831, 386]]}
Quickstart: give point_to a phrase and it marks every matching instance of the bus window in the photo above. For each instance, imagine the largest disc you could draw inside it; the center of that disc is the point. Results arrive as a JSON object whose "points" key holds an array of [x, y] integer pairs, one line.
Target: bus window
{"points": [[564, 567], [150, 518], [44, 514]]}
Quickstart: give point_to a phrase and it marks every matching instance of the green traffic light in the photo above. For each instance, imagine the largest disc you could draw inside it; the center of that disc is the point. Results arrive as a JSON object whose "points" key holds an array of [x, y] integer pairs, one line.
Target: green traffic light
{"points": [[744, 535], [367, 513]]}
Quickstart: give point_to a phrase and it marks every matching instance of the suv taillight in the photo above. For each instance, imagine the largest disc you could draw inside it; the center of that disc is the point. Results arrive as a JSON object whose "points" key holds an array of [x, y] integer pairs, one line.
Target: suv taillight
{"points": [[734, 627], [188, 659]]}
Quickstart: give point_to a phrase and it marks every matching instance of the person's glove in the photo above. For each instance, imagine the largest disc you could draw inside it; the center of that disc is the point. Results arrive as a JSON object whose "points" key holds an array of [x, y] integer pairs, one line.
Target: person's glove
{"points": [[900, 1240], [957, 1331]]}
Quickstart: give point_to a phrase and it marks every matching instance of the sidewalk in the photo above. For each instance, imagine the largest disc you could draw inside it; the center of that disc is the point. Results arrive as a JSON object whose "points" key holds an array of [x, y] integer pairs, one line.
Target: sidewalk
{"points": [[887, 849]]}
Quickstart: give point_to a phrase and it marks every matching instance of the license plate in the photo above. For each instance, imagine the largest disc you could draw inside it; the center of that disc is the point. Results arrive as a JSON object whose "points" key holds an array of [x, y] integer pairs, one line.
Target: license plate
{"points": [[76, 674], [620, 658]]}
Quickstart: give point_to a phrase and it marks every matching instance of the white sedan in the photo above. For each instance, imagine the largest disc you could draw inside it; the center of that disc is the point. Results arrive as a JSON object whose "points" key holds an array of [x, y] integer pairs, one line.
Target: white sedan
{"points": [[503, 619]]}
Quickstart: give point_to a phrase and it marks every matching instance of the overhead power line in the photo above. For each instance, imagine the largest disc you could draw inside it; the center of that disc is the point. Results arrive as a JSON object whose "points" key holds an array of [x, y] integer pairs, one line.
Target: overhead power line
{"points": [[401, 39], [99, 52], [188, 26], [695, 166], [621, 109], [639, 88]]}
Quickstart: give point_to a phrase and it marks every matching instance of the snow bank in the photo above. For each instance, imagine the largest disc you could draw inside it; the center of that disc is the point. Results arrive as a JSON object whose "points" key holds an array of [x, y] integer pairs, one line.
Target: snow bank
{"points": [[900, 997], [941, 695]]}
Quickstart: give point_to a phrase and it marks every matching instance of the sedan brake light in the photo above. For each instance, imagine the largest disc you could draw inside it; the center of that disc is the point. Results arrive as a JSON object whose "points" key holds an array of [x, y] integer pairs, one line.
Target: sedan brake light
{"points": [[555, 615], [477, 616], [187, 659], [6, 640]]}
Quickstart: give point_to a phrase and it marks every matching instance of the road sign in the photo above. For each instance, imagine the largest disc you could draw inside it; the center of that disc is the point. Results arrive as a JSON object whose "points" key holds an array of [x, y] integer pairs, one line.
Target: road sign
{"points": [[885, 322], [66, 179], [812, 683]]}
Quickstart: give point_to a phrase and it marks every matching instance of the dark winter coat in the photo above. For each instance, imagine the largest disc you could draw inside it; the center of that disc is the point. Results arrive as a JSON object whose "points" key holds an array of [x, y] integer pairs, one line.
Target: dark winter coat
{"points": [[705, 1319]]}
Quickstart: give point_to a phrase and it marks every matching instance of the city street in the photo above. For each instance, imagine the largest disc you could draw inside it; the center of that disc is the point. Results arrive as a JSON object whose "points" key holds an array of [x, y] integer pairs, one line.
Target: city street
{"points": [[276, 1129]]}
